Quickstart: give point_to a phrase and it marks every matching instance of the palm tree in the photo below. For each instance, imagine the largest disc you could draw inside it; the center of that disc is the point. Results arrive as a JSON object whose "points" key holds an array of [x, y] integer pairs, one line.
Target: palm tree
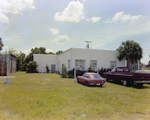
{"points": [[131, 51]]}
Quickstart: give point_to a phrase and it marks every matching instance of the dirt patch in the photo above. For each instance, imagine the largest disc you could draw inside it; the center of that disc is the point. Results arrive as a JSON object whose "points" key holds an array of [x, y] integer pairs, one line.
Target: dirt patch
{"points": [[47, 79]]}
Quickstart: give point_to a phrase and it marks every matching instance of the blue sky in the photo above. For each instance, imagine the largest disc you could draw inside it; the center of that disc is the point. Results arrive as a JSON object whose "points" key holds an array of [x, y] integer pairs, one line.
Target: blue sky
{"points": [[62, 24]]}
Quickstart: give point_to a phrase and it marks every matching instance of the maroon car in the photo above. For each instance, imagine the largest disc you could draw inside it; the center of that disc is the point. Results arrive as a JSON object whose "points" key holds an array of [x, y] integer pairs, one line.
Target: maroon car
{"points": [[90, 78], [123, 74]]}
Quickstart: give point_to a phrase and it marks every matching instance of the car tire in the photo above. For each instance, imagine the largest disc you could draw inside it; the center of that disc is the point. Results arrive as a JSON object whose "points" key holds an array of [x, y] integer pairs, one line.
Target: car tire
{"points": [[125, 83], [86, 83], [107, 79]]}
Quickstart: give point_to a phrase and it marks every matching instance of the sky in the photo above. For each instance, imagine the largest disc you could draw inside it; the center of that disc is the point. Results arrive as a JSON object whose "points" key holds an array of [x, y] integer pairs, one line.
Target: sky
{"points": [[63, 24]]}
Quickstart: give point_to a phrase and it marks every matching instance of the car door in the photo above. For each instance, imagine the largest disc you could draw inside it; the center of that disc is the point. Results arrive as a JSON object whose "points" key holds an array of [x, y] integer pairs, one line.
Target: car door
{"points": [[118, 73], [86, 78], [112, 73], [82, 80]]}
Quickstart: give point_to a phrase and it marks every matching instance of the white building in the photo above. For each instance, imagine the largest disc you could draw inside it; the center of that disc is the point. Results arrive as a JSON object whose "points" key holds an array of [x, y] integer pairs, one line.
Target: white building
{"points": [[78, 58]]}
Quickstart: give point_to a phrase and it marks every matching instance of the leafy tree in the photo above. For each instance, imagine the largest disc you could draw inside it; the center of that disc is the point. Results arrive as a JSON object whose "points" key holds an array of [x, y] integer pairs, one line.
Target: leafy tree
{"points": [[59, 52], [64, 71], [21, 62], [11, 51], [130, 50], [32, 67], [1, 44], [50, 53], [149, 63], [41, 50]]}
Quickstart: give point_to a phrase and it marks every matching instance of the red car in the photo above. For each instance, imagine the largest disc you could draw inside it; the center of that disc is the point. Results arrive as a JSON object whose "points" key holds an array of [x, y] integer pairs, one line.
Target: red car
{"points": [[90, 78]]}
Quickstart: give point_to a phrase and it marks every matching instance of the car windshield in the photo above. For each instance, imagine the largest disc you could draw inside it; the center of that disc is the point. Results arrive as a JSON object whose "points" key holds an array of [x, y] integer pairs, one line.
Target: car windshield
{"points": [[95, 76]]}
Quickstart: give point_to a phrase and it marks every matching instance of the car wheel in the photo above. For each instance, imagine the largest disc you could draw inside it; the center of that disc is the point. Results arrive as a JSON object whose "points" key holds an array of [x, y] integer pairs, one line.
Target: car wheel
{"points": [[101, 85], [125, 83], [77, 80], [107, 79], [87, 84]]}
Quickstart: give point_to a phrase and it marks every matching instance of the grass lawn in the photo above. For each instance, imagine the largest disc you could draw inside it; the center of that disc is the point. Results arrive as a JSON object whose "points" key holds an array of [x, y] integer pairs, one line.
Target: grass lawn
{"points": [[56, 98]]}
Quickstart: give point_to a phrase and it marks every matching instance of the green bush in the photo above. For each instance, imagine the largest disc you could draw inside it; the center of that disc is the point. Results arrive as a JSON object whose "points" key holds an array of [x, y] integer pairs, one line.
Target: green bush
{"points": [[70, 76], [132, 71], [32, 67], [64, 72], [148, 68], [47, 69]]}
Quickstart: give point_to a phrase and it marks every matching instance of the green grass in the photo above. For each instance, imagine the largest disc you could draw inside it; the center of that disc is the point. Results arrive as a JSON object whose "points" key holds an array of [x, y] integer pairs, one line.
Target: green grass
{"points": [[56, 98], [148, 68]]}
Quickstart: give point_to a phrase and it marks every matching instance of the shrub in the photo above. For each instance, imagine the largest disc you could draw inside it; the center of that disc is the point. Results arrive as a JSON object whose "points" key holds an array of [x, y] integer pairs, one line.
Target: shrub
{"points": [[102, 70], [78, 73], [81, 72], [70, 73], [90, 70], [32, 67], [64, 72], [47, 69], [132, 71]]}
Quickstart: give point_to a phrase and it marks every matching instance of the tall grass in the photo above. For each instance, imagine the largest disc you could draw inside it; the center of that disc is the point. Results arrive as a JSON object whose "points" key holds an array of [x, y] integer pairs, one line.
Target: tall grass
{"points": [[56, 98]]}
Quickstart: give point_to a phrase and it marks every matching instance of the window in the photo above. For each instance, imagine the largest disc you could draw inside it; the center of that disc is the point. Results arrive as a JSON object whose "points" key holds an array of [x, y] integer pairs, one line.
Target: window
{"points": [[126, 70], [119, 69], [113, 70], [69, 64], [112, 64], [93, 64], [80, 64], [95, 76], [85, 75]]}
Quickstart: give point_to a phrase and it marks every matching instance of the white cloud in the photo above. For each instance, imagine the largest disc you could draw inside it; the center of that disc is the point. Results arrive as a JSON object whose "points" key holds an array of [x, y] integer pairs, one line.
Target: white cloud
{"points": [[107, 21], [48, 50], [62, 39], [14, 7], [3, 18], [74, 12], [26, 51], [122, 17], [94, 19], [5, 47], [54, 31], [83, 0]]}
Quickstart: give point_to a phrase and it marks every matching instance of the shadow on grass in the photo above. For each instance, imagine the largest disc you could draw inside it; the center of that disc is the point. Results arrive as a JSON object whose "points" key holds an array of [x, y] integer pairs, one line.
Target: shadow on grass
{"points": [[91, 86], [115, 82], [131, 85], [141, 87]]}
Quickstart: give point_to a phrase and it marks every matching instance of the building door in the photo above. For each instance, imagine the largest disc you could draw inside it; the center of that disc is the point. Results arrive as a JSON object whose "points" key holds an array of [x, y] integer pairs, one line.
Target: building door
{"points": [[52, 68]]}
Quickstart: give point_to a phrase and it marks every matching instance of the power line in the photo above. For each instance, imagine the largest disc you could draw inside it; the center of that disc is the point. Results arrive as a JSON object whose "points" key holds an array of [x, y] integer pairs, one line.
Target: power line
{"points": [[124, 29]]}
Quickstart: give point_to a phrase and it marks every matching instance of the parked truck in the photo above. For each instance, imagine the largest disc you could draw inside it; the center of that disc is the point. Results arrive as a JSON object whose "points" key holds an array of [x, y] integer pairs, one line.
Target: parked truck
{"points": [[123, 75]]}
